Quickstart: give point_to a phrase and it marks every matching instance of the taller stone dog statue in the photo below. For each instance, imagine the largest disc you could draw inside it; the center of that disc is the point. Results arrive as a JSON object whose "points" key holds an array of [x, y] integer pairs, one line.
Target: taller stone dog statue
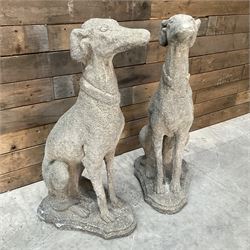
{"points": [[161, 171], [87, 134]]}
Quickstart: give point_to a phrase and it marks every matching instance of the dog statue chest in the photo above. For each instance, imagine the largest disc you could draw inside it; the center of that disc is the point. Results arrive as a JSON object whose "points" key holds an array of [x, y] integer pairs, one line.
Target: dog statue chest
{"points": [[108, 122]]}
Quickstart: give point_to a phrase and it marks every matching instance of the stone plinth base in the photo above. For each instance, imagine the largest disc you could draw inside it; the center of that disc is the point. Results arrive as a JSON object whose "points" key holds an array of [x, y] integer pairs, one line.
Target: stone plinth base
{"points": [[168, 202], [76, 217]]}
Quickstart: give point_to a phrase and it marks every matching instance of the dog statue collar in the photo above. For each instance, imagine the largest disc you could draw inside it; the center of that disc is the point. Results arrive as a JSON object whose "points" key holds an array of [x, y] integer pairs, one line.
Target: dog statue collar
{"points": [[98, 94]]}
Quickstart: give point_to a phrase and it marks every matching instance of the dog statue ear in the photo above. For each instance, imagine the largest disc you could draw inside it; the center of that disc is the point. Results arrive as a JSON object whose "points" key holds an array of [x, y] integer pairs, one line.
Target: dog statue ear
{"points": [[163, 33], [79, 45], [198, 24]]}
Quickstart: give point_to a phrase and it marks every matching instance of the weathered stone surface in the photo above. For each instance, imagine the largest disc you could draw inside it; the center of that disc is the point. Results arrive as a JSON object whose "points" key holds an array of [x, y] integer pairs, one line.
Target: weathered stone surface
{"points": [[170, 119], [168, 202], [73, 218], [87, 134]]}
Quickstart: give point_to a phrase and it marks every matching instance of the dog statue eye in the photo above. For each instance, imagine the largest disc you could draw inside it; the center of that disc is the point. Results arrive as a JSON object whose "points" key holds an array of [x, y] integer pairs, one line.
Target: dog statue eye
{"points": [[103, 28]]}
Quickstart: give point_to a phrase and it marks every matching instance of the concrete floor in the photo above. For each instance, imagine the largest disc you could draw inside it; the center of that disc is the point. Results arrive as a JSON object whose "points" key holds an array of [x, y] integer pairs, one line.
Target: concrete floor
{"points": [[216, 217]]}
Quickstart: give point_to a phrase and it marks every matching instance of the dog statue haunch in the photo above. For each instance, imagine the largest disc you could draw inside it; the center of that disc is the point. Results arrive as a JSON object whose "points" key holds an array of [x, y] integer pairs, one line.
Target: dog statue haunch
{"points": [[87, 134], [170, 119]]}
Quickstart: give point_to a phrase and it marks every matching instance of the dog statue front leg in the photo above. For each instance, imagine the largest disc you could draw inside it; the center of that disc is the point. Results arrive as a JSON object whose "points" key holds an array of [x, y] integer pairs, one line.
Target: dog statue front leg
{"points": [[157, 146], [94, 171], [180, 142], [109, 159]]}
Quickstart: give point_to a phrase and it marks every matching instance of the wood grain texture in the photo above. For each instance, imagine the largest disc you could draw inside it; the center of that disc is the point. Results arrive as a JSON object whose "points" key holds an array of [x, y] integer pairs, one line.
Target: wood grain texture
{"points": [[200, 64], [33, 115], [25, 93], [221, 90], [25, 67], [13, 145], [214, 105], [243, 97], [63, 11], [218, 25], [20, 178], [127, 144], [23, 39], [217, 77], [136, 111], [44, 113], [133, 127], [24, 138], [133, 115], [43, 38], [167, 8], [215, 44], [21, 159], [42, 65], [220, 116]]}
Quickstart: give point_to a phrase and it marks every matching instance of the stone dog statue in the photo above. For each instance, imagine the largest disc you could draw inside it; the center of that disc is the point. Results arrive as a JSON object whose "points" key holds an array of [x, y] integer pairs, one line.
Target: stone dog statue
{"points": [[88, 133], [170, 119]]}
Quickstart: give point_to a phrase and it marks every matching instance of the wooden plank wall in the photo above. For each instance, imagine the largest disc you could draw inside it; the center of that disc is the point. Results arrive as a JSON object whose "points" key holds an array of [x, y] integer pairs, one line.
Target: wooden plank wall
{"points": [[39, 81]]}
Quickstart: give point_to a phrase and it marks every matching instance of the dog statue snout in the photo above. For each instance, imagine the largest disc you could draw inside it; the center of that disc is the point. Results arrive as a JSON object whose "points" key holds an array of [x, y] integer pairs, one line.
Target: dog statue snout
{"points": [[178, 29], [106, 38], [130, 38]]}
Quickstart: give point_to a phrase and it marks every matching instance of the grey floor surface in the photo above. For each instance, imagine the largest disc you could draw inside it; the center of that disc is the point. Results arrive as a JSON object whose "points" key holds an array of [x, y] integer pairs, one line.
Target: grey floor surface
{"points": [[216, 217]]}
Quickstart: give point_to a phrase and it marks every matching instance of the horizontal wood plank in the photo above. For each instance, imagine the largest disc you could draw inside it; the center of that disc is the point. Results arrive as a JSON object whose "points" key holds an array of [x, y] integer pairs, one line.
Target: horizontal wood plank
{"points": [[20, 178], [134, 116], [133, 127], [21, 159], [218, 25], [42, 65], [243, 97], [167, 8], [43, 113], [33, 115], [41, 38], [77, 11], [220, 116], [25, 93], [136, 111], [24, 138], [127, 144], [221, 90], [138, 94], [200, 64], [217, 77], [25, 67], [140, 74], [66, 86], [214, 105], [23, 39], [215, 44]]}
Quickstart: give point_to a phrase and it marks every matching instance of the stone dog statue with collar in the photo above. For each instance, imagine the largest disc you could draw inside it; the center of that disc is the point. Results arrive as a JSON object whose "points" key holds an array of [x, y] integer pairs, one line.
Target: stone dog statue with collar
{"points": [[87, 134], [170, 119]]}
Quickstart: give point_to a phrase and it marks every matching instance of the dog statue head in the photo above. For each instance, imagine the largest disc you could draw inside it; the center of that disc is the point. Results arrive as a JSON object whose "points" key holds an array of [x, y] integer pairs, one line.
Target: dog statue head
{"points": [[179, 29], [105, 38]]}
